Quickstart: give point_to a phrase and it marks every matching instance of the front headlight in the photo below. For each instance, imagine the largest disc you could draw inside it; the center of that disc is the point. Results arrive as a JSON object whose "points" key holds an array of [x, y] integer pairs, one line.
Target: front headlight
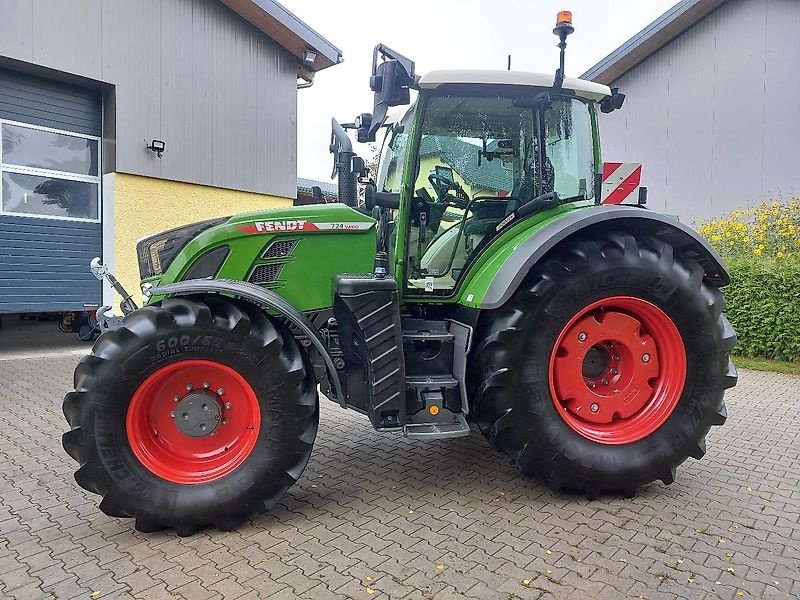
{"points": [[155, 253]]}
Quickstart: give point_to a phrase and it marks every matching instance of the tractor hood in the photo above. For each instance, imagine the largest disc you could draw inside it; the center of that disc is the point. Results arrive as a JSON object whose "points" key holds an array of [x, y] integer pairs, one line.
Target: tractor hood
{"points": [[295, 251]]}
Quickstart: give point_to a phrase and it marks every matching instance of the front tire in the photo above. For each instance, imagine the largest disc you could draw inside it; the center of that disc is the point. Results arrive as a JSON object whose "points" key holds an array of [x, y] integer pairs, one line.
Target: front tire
{"points": [[195, 412], [607, 368]]}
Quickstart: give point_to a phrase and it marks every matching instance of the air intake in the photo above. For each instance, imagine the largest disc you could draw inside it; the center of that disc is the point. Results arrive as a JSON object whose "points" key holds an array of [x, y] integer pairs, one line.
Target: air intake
{"points": [[265, 273], [280, 249]]}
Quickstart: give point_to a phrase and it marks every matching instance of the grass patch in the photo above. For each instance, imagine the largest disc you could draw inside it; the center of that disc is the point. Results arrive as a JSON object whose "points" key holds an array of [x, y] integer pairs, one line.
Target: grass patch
{"points": [[767, 364]]}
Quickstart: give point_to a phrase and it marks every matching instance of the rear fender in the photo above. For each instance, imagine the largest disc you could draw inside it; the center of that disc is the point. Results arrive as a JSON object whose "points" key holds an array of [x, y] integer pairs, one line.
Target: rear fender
{"points": [[582, 223], [265, 299]]}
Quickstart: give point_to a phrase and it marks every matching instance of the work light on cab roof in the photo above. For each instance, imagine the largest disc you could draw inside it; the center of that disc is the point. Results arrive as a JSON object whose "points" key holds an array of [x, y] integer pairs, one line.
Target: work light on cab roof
{"points": [[486, 274]]}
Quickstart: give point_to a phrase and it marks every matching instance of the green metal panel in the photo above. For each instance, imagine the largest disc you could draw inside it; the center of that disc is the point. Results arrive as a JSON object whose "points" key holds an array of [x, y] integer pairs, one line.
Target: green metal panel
{"points": [[332, 238], [480, 276]]}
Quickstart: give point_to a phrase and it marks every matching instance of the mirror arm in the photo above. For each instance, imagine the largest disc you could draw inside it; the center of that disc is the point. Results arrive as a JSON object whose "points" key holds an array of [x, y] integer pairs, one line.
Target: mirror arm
{"points": [[373, 198], [406, 63]]}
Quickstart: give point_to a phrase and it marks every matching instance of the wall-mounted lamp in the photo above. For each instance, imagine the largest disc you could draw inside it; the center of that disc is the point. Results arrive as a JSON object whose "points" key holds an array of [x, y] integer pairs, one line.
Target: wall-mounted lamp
{"points": [[309, 57], [156, 146]]}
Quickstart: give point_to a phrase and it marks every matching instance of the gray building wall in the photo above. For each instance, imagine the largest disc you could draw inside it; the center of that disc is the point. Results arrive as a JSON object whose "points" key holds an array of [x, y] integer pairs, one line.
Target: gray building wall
{"points": [[713, 115], [220, 93]]}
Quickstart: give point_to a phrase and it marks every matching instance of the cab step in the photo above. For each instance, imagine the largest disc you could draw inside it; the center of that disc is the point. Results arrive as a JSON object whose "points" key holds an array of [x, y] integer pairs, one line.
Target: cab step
{"points": [[437, 431]]}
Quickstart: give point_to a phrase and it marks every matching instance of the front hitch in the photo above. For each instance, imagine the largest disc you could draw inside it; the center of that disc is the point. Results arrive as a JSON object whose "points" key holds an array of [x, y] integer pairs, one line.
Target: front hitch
{"points": [[107, 321]]}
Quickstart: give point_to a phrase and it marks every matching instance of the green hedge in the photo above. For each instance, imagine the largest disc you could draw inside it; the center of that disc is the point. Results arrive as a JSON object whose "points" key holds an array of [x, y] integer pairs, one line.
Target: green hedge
{"points": [[763, 304]]}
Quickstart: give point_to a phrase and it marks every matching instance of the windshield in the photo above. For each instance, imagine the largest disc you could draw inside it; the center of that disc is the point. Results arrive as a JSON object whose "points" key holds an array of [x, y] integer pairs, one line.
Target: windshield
{"points": [[480, 159], [486, 145], [492, 148]]}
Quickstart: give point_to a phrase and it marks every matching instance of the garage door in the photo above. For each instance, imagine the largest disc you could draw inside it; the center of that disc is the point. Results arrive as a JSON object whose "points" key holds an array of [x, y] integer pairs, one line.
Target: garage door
{"points": [[51, 205]]}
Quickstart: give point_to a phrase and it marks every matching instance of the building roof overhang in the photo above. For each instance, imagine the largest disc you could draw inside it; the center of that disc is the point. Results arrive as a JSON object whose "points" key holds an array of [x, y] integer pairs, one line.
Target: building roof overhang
{"points": [[651, 39], [294, 34]]}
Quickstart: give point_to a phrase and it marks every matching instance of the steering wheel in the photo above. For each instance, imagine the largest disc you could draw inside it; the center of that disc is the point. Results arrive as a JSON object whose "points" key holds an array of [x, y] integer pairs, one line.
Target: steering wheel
{"points": [[443, 185]]}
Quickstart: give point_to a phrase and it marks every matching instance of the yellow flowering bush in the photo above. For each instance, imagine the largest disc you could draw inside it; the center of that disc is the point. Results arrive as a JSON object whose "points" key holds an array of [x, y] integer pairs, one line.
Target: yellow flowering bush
{"points": [[761, 246], [771, 229]]}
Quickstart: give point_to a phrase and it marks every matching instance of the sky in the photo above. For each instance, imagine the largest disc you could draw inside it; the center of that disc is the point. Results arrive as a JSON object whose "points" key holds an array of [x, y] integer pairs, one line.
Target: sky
{"points": [[446, 34]]}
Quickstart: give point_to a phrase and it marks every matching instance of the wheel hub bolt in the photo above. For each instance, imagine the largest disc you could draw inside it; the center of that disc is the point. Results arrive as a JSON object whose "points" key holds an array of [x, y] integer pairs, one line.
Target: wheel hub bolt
{"points": [[592, 385], [220, 392], [189, 387], [582, 337], [614, 372], [594, 408], [205, 385], [177, 398], [645, 358], [615, 357], [224, 421], [172, 414], [228, 405], [604, 382]]}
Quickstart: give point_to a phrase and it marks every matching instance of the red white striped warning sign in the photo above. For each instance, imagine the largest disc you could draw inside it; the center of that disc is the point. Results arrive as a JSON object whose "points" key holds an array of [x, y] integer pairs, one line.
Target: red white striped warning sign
{"points": [[620, 181]]}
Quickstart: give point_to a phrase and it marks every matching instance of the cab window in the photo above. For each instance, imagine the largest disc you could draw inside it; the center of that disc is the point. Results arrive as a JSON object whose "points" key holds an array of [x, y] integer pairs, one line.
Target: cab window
{"points": [[477, 158]]}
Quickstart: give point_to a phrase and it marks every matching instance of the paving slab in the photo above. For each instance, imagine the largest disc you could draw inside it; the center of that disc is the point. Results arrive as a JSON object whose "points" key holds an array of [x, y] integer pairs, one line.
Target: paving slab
{"points": [[381, 516]]}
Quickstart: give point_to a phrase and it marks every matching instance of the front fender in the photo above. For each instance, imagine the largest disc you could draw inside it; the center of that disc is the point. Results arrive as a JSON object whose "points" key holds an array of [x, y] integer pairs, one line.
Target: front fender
{"points": [[265, 299], [499, 286]]}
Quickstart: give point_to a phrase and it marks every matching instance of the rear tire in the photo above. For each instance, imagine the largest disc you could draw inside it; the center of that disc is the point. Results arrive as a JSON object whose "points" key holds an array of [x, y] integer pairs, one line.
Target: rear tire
{"points": [[256, 436], [557, 431]]}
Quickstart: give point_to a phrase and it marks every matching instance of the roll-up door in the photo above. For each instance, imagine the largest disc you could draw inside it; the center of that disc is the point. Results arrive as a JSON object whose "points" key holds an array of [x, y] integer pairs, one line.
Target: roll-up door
{"points": [[51, 204]]}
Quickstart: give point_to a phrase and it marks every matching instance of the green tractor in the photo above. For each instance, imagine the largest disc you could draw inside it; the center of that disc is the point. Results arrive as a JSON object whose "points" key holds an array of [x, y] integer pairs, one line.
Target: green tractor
{"points": [[479, 279]]}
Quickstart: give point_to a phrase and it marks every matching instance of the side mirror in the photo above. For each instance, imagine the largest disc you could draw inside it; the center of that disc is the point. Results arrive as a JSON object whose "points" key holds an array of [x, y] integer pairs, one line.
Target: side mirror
{"points": [[612, 102], [391, 81]]}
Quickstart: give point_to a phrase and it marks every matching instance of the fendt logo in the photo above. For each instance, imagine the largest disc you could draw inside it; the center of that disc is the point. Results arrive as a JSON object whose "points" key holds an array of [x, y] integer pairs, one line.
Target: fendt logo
{"points": [[303, 225], [280, 225], [272, 226]]}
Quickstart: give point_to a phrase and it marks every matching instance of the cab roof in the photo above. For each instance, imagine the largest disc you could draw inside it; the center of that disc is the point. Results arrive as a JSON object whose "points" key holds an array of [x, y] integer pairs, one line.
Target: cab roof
{"points": [[581, 87]]}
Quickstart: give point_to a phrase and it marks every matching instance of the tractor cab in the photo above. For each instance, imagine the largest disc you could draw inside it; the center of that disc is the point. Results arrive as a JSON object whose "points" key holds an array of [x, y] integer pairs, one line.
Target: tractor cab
{"points": [[477, 152], [485, 155]]}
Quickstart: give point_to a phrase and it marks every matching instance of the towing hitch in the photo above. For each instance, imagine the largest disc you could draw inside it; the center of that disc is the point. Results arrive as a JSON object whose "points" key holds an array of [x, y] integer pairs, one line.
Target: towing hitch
{"points": [[107, 321]]}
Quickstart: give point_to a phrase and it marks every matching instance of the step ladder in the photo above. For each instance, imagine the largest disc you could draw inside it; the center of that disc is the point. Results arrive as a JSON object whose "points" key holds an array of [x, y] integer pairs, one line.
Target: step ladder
{"points": [[432, 431]]}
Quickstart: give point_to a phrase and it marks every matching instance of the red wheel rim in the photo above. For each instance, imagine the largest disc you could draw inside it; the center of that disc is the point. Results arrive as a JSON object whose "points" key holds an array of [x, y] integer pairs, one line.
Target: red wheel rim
{"points": [[193, 421], [617, 370]]}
